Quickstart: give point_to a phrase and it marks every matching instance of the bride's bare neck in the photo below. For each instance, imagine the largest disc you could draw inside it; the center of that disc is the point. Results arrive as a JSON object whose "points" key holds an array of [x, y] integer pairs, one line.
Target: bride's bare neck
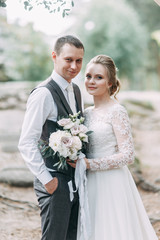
{"points": [[102, 102]]}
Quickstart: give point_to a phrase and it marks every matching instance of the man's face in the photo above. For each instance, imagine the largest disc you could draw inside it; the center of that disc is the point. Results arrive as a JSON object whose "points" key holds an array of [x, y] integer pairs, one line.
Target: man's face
{"points": [[69, 62]]}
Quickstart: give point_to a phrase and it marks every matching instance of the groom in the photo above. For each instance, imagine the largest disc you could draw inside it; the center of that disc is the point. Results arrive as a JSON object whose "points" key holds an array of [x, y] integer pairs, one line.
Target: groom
{"points": [[46, 104]]}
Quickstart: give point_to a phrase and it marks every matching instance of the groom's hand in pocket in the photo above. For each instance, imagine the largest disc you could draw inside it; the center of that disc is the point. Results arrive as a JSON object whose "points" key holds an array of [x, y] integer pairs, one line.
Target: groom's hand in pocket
{"points": [[52, 185]]}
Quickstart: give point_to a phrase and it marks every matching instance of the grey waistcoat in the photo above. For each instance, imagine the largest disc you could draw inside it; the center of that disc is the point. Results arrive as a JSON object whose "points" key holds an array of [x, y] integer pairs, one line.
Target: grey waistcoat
{"points": [[63, 111]]}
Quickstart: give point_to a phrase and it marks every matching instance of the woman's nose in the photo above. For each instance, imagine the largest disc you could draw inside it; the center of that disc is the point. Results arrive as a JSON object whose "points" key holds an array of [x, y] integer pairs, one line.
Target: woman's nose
{"points": [[92, 80]]}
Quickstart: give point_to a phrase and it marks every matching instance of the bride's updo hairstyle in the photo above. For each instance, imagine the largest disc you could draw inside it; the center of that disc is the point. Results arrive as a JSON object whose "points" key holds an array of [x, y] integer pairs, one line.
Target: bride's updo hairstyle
{"points": [[111, 69]]}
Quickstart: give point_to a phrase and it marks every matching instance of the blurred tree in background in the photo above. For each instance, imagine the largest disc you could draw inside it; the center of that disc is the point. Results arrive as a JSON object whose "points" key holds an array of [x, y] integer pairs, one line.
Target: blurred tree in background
{"points": [[24, 52], [149, 14], [127, 30], [115, 28]]}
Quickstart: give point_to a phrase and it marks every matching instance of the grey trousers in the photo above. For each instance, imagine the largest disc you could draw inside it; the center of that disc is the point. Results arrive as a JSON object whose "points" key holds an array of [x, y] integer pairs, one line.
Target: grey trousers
{"points": [[59, 216]]}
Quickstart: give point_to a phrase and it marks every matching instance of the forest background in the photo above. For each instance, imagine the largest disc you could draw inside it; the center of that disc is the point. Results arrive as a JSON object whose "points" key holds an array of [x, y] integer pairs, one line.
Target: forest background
{"points": [[127, 30]]}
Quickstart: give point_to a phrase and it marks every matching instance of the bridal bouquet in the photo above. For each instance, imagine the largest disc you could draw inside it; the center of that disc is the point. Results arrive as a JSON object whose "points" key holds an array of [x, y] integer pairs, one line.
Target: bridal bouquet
{"points": [[68, 142]]}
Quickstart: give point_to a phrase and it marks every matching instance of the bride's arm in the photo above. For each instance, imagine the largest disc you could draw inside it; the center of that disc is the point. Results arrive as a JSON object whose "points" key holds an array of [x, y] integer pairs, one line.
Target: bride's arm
{"points": [[125, 154]]}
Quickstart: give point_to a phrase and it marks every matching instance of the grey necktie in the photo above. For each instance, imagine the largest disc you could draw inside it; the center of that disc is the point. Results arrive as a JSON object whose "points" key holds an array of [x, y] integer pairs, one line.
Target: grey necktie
{"points": [[71, 98]]}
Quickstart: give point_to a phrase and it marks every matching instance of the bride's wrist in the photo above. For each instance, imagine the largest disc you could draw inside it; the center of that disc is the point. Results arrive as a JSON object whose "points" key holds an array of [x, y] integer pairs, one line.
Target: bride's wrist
{"points": [[87, 163]]}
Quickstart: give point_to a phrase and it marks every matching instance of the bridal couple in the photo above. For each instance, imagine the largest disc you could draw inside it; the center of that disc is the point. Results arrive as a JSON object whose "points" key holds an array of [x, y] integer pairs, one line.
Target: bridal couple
{"points": [[115, 207]]}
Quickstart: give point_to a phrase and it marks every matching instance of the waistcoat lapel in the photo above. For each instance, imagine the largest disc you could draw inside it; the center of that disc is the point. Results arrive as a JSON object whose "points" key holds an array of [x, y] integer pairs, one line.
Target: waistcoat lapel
{"points": [[61, 96], [78, 98]]}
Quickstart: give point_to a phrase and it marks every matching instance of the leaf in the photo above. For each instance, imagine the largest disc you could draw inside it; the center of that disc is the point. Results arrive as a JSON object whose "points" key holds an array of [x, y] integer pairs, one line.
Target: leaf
{"points": [[56, 164], [26, 3], [63, 14], [63, 3], [72, 3], [60, 165], [58, 9], [89, 132], [43, 148], [30, 8], [2, 4]]}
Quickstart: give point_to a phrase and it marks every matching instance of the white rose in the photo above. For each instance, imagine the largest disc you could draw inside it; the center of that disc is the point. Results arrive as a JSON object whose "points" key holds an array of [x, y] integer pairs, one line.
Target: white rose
{"points": [[83, 137], [69, 125], [83, 128], [67, 141], [59, 140], [77, 144], [64, 121], [73, 154], [64, 151], [77, 122], [55, 140], [75, 130]]}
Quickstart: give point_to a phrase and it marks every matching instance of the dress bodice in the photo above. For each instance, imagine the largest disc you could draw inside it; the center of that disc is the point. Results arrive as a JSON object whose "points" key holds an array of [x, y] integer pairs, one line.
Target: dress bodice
{"points": [[110, 144], [102, 140]]}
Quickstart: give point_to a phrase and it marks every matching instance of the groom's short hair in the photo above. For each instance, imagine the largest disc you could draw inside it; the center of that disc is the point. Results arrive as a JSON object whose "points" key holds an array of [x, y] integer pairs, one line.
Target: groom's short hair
{"points": [[72, 40]]}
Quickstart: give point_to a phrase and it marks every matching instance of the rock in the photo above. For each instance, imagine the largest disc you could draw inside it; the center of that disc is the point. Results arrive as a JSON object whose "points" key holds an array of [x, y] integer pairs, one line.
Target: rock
{"points": [[9, 148], [141, 103], [19, 177], [158, 180]]}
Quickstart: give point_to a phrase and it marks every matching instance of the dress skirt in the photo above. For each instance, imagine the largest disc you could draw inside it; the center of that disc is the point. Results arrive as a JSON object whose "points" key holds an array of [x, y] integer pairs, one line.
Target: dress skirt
{"points": [[116, 209]]}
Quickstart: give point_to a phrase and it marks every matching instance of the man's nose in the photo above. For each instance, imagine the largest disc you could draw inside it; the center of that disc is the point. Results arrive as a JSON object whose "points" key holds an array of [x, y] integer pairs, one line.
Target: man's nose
{"points": [[73, 65]]}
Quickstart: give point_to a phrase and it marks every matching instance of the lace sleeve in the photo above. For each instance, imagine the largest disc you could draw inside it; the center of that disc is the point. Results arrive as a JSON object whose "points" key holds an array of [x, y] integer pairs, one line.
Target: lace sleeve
{"points": [[125, 153]]}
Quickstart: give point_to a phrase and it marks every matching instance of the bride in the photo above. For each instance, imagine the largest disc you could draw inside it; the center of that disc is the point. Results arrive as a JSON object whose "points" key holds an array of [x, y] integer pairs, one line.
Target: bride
{"points": [[116, 209]]}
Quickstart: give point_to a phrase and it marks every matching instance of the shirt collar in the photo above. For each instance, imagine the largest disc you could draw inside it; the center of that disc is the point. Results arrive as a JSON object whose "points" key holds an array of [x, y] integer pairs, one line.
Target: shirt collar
{"points": [[59, 80]]}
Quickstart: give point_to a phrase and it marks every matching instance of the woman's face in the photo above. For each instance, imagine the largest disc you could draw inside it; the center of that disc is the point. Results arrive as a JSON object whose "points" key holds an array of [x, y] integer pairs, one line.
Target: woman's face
{"points": [[96, 80]]}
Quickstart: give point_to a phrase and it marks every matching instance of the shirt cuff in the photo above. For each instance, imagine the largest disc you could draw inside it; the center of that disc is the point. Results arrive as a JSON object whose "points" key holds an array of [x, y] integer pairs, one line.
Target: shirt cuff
{"points": [[45, 177]]}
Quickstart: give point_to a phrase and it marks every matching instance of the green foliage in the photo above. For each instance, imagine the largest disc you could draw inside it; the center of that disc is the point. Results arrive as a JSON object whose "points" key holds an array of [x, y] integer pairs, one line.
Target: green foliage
{"points": [[51, 6], [115, 31], [149, 13], [3, 3], [24, 53]]}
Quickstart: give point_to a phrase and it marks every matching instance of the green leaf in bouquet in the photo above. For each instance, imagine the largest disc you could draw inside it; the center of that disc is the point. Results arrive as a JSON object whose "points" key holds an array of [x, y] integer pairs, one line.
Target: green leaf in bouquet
{"points": [[89, 132], [49, 152], [61, 163], [44, 149], [56, 164]]}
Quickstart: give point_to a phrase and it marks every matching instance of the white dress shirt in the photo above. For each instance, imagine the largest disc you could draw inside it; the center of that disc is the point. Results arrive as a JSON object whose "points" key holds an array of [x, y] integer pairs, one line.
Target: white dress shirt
{"points": [[40, 107]]}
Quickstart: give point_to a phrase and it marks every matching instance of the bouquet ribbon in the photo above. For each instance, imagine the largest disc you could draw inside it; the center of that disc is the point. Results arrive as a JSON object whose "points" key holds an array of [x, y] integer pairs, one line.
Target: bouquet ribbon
{"points": [[81, 185]]}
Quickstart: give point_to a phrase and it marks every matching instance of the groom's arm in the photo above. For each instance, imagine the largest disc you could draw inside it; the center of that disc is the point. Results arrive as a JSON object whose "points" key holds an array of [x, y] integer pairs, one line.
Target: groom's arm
{"points": [[39, 106]]}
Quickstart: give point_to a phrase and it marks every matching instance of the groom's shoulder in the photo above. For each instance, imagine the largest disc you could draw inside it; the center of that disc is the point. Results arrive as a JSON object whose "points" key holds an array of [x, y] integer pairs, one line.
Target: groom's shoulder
{"points": [[40, 91]]}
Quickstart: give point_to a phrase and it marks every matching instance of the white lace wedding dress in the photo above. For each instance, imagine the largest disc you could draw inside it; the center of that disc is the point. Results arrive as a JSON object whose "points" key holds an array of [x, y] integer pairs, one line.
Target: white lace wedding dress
{"points": [[116, 209]]}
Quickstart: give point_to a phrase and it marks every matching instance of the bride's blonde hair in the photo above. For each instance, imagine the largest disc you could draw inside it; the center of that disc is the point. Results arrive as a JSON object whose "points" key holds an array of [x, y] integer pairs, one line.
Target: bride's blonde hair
{"points": [[111, 69]]}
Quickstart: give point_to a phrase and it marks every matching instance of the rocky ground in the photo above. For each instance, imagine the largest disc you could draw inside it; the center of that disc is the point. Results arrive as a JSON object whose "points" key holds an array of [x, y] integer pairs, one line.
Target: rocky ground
{"points": [[19, 214]]}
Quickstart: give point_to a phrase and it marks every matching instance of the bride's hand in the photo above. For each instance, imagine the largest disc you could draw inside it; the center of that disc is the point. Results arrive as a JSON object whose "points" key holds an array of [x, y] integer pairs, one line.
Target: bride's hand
{"points": [[87, 163], [72, 163]]}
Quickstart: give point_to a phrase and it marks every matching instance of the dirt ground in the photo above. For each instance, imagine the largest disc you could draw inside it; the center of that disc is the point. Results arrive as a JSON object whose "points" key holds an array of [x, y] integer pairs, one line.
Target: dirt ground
{"points": [[20, 220]]}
